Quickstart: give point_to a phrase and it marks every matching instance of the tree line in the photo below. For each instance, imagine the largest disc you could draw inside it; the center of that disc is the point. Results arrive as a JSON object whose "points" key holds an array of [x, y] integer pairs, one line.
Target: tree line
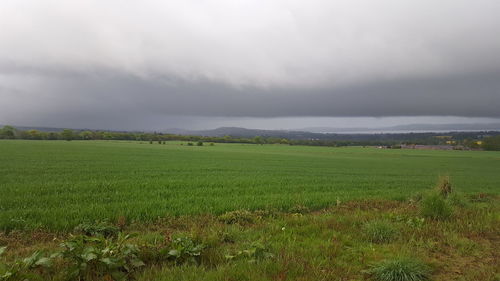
{"points": [[10, 132]]}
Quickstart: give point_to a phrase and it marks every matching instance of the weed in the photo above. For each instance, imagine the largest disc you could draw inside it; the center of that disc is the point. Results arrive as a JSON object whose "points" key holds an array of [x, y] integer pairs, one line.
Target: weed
{"points": [[400, 269], [379, 231], [256, 251], [103, 228], [23, 269], [100, 257], [184, 250], [435, 207]]}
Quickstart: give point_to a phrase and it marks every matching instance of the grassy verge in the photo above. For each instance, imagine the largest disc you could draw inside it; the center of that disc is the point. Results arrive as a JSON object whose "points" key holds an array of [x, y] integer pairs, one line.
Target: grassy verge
{"points": [[356, 240]]}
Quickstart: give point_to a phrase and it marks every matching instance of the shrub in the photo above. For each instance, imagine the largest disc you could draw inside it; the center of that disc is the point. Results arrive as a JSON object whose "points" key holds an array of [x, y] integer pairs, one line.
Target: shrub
{"points": [[103, 228], [435, 207], [379, 231], [184, 250], [200, 143], [190, 144], [400, 269], [238, 217]]}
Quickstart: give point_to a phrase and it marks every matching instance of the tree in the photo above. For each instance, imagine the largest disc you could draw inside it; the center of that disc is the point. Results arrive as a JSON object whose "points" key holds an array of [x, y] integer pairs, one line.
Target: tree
{"points": [[257, 140], [67, 134], [284, 141], [86, 135], [34, 134], [8, 132], [491, 143]]}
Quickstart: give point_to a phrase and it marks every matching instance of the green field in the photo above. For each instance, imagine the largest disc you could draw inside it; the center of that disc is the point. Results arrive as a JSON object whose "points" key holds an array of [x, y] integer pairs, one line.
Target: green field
{"points": [[58, 184]]}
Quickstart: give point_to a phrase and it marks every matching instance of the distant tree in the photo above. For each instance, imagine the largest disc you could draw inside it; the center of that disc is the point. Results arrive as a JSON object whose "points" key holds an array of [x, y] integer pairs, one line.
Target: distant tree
{"points": [[284, 141], [8, 132], [86, 135], [52, 136], [67, 134], [258, 140], [34, 135], [491, 143]]}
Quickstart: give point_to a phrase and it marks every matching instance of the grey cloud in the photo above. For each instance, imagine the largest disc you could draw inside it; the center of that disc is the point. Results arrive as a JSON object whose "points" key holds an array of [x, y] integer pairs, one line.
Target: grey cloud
{"points": [[129, 63]]}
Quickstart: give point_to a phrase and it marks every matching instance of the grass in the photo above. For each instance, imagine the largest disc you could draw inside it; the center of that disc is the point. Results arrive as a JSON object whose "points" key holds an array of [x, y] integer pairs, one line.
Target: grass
{"points": [[380, 231], [435, 207], [56, 185], [401, 269], [319, 245]]}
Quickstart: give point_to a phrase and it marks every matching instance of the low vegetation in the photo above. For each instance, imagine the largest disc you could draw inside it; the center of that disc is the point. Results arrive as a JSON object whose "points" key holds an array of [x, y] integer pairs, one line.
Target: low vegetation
{"points": [[130, 211], [380, 231], [58, 185], [401, 269], [395, 244]]}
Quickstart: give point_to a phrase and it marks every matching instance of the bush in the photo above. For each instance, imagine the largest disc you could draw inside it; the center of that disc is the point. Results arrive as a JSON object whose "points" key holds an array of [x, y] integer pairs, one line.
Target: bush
{"points": [[435, 207], [200, 143], [190, 144], [379, 231], [400, 269]]}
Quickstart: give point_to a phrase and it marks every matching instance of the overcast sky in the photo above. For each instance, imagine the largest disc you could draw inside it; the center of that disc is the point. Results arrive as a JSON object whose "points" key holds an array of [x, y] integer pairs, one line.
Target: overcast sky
{"points": [[123, 64]]}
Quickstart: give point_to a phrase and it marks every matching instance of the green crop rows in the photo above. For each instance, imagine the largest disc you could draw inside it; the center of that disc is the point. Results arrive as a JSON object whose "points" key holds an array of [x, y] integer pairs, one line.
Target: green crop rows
{"points": [[58, 184]]}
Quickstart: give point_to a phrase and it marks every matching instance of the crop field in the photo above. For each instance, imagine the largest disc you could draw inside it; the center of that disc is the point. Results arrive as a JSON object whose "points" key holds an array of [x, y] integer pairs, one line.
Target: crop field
{"points": [[121, 211], [57, 184]]}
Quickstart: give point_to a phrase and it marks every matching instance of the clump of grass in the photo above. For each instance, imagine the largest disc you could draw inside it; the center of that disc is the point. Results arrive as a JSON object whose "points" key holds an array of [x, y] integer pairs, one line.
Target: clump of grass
{"points": [[400, 269], [435, 207], [458, 200], [379, 231], [238, 217], [443, 186]]}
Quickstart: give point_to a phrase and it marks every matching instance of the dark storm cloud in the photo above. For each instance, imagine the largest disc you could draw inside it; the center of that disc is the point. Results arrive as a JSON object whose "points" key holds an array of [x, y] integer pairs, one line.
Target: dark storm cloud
{"points": [[124, 64]]}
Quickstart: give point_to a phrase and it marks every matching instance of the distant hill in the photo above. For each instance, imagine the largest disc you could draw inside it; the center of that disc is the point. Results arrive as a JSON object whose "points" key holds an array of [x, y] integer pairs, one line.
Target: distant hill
{"points": [[405, 133], [410, 128], [346, 136], [246, 133]]}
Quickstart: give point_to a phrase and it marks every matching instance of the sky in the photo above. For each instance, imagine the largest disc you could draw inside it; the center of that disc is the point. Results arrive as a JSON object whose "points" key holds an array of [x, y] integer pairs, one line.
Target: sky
{"points": [[153, 65]]}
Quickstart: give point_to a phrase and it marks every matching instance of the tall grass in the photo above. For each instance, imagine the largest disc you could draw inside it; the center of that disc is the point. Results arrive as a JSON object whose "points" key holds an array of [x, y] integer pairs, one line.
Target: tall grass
{"points": [[401, 269], [434, 206]]}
